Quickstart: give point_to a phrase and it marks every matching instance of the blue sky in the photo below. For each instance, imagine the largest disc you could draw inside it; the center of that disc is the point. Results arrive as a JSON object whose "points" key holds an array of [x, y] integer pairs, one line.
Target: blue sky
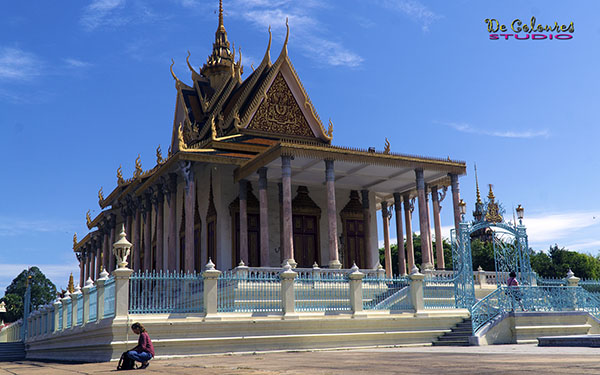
{"points": [[85, 86]]}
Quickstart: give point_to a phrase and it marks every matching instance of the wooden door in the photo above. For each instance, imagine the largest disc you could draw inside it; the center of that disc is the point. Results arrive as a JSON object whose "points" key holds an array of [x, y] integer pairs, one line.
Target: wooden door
{"points": [[354, 243], [253, 240], [306, 240]]}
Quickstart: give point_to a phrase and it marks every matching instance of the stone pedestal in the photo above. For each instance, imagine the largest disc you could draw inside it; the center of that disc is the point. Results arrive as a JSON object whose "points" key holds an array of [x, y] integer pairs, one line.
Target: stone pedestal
{"points": [[356, 295], [210, 276], [121, 292], [288, 297], [416, 290]]}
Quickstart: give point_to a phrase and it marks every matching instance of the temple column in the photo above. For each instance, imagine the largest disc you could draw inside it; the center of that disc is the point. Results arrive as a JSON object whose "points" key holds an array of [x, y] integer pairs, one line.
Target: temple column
{"points": [[159, 208], [147, 214], [189, 206], [455, 200], [81, 269], [400, 235], [111, 257], [334, 261], [410, 250], [429, 241], [386, 239], [423, 227], [372, 254], [280, 195], [98, 246], [87, 263], [439, 245], [92, 262], [243, 195], [137, 240], [172, 226], [288, 234], [264, 217]]}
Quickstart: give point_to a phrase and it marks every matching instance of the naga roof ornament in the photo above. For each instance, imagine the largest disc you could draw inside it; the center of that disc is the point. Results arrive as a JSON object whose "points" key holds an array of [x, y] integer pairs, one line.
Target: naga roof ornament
{"points": [[181, 142], [330, 129], [74, 240], [159, 158], [138, 167], [100, 196], [120, 179], [386, 150], [88, 218]]}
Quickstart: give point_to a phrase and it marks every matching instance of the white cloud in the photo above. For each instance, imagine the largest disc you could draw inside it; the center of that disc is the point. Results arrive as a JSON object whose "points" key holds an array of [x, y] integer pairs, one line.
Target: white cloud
{"points": [[102, 12], [415, 10], [553, 228], [75, 63], [16, 64], [10, 226], [467, 128]]}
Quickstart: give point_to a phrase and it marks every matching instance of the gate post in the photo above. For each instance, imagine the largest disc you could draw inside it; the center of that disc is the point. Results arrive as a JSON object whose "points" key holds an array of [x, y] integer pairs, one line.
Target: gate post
{"points": [[356, 294], [416, 290], [288, 296], [211, 277]]}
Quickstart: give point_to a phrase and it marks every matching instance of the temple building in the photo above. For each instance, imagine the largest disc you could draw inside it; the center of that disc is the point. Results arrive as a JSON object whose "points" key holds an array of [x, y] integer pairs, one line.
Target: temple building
{"points": [[252, 175]]}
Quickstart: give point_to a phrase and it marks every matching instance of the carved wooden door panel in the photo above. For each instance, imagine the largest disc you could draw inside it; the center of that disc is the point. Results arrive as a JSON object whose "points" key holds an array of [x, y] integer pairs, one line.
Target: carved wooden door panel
{"points": [[306, 240], [354, 247], [253, 240]]}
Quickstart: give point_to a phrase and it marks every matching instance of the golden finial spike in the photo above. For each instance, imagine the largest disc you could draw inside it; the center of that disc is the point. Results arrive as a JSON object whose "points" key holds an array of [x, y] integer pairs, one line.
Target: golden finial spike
{"points": [[120, 179], [173, 73], [100, 196], [221, 26], [180, 139], [386, 150], [287, 37], [74, 240], [477, 186], [88, 218], [138, 167], [330, 129], [187, 60], [267, 58], [70, 286], [159, 158], [491, 193]]}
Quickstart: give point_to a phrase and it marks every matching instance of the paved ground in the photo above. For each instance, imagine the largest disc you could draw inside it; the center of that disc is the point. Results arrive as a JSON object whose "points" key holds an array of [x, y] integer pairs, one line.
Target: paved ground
{"points": [[500, 359]]}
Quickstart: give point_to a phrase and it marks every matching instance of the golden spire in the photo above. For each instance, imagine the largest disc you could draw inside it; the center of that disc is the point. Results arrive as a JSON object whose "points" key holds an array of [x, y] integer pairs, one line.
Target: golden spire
{"points": [[159, 158], [491, 193], [221, 26], [386, 150], [70, 286], [138, 167], [100, 196], [88, 218], [120, 179], [477, 186], [221, 58], [74, 240]]}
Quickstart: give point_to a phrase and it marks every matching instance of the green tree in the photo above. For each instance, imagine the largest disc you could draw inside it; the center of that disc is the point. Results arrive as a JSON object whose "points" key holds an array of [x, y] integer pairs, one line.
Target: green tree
{"points": [[43, 291], [417, 250]]}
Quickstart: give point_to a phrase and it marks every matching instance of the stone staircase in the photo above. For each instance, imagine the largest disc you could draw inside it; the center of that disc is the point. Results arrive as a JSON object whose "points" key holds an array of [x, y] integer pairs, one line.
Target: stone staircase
{"points": [[459, 336], [12, 351]]}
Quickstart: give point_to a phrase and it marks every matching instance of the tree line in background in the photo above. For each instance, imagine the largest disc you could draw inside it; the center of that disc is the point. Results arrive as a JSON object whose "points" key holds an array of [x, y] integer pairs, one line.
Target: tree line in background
{"points": [[554, 263], [43, 291]]}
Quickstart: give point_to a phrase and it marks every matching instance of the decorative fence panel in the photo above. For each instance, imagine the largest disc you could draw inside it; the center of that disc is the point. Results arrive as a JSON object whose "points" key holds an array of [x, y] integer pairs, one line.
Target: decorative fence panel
{"points": [[79, 309], [165, 293], [69, 313], [93, 304], [109, 298], [60, 317], [249, 291], [438, 293], [322, 292], [386, 293], [591, 285]]}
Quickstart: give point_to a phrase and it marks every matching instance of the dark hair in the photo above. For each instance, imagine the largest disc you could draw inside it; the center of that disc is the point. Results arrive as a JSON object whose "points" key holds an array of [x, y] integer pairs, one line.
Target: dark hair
{"points": [[512, 274], [138, 326]]}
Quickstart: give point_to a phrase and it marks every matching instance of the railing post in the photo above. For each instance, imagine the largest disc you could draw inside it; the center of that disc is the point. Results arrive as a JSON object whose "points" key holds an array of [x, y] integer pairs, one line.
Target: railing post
{"points": [[56, 317], [65, 309], [121, 292], [572, 280], [89, 284], [100, 288], [356, 295], [416, 289], [211, 277], [481, 277], [380, 271], [288, 297], [74, 305]]}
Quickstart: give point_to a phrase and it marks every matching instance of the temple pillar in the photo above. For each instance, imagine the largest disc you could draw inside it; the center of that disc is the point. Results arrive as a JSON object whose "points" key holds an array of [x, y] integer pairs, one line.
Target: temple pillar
{"points": [[92, 262], [400, 235], [172, 225], [158, 202], [98, 245], [334, 261], [429, 240], [243, 195], [86, 264], [372, 253], [288, 234], [423, 227], [455, 200], [439, 245], [189, 206], [111, 258], [137, 241], [264, 217], [386, 239], [81, 268], [147, 215]]}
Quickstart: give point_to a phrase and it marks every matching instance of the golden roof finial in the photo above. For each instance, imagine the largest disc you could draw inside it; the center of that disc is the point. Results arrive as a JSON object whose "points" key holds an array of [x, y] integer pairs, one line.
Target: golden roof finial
{"points": [[330, 129], [267, 58], [182, 145], [477, 186], [386, 150], [138, 167], [100, 196], [74, 240], [252, 66], [120, 179], [187, 60], [221, 26], [159, 158], [88, 218], [70, 286], [177, 81], [491, 193], [287, 37]]}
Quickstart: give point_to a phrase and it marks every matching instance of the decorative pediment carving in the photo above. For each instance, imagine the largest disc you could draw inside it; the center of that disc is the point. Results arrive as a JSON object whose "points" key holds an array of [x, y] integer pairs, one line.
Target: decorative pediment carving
{"points": [[280, 113]]}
